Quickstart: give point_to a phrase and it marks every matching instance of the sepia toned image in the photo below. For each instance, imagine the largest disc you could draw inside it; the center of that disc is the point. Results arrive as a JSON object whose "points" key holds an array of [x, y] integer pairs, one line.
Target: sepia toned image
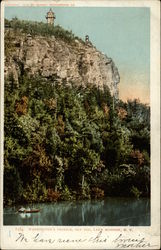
{"points": [[77, 116]]}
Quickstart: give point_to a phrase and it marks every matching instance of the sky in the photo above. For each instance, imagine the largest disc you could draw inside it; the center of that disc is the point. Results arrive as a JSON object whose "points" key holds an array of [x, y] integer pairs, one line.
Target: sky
{"points": [[122, 33]]}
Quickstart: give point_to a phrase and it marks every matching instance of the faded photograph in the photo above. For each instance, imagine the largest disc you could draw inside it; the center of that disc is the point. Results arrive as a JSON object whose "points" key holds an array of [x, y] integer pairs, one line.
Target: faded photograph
{"points": [[77, 116]]}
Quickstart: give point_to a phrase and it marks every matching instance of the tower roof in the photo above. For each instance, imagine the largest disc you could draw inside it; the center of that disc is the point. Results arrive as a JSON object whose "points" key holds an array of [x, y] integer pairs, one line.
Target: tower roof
{"points": [[50, 13]]}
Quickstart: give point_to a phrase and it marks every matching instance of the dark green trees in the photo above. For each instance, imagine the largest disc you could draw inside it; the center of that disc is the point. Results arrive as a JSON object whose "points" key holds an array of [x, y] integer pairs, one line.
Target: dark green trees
{"points": [[67, 143]]}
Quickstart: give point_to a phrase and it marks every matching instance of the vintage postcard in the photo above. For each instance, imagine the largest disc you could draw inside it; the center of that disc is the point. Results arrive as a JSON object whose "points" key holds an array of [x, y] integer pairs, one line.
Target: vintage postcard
{"points": [[80, 125]]}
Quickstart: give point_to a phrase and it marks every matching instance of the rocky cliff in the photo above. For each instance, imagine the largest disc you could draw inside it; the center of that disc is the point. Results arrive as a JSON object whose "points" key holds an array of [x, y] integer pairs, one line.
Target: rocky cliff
{"points": [[77, 62]]}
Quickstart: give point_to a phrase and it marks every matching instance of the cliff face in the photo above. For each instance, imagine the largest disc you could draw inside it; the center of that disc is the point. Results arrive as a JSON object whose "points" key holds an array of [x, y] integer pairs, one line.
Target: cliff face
{"points": [[77, 62]]}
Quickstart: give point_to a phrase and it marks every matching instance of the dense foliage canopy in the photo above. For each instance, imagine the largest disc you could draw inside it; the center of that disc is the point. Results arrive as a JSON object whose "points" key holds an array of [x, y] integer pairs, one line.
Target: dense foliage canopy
{"points": [[70, 142]]}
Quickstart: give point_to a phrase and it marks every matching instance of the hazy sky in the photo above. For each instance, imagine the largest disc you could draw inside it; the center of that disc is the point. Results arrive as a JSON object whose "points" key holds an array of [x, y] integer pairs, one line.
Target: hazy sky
{"points": [[121, 33]]}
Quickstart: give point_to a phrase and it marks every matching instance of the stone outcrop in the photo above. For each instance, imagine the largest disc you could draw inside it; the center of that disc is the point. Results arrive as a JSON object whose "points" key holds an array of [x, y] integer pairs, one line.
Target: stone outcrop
{"points": [[75, 62]]}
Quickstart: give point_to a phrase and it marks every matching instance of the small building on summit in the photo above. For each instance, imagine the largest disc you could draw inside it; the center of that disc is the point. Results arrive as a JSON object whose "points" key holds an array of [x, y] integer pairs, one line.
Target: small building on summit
{"points": [[87, 41], [50, 17], [86, 38]]}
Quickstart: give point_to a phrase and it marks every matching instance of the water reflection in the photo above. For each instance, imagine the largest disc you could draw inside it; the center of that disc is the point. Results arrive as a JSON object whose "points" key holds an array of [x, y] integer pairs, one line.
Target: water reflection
{"points": [[108, 212], [24, 216]]}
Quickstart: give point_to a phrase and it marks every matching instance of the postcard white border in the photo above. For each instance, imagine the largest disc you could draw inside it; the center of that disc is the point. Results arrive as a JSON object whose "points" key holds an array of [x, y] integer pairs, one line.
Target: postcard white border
{"points": [[152, 233]]}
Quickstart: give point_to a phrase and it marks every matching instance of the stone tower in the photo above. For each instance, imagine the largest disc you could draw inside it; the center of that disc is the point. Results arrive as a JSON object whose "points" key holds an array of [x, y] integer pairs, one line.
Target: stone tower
{"points": [[50, 17]]}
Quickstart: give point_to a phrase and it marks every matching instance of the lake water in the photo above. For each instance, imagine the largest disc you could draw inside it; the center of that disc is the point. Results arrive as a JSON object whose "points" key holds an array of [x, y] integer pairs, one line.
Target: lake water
{"points": [[108, 212]]}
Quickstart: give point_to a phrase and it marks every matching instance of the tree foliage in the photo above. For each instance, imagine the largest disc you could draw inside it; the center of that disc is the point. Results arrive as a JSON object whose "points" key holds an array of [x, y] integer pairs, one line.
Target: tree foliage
{"points": [[40, 28], [64, 143]]}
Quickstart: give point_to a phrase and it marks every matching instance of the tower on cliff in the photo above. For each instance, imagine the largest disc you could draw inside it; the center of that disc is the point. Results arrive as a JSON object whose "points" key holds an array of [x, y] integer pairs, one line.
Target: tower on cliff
{"points": [[50, 16]]}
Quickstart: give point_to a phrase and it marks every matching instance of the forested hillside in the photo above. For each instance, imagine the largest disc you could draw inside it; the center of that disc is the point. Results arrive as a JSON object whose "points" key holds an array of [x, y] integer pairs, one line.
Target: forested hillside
{"points": [[68, 142], [65, 143]]}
